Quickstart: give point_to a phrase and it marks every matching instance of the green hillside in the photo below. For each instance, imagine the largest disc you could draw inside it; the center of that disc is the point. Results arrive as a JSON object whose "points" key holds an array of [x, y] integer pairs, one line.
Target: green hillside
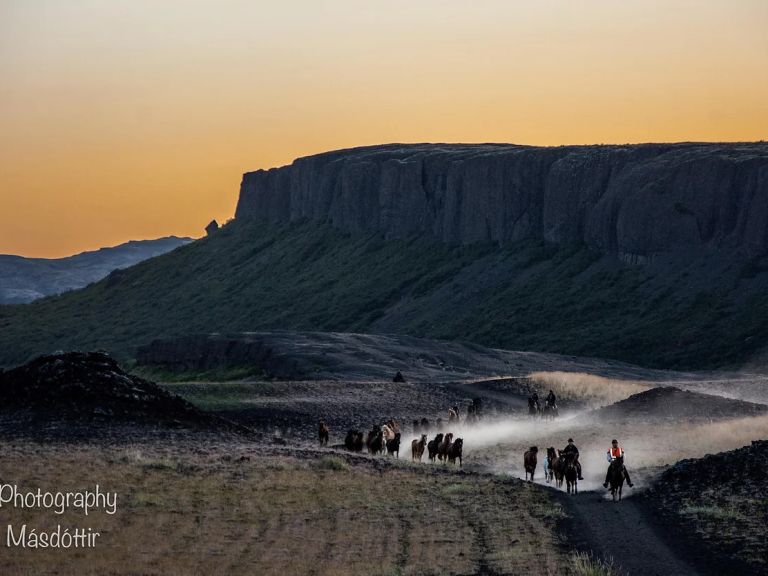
{"points": [[307, 276]]}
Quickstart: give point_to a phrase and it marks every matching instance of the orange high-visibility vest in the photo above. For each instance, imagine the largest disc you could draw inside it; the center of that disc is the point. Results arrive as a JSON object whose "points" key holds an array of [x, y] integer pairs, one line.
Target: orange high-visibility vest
{"points": [[616, 452]]}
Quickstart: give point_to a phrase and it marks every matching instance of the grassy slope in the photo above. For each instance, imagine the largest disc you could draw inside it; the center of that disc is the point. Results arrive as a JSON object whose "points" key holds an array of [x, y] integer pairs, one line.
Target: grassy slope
{"points": [[307, 276]]}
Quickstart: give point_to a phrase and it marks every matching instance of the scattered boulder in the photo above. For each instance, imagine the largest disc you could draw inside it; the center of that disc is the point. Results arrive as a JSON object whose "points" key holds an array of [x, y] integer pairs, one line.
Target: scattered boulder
{"points": [[398, 377]]}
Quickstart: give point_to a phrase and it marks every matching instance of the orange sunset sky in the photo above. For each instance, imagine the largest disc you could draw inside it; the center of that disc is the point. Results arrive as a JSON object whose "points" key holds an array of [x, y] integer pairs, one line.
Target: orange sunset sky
{"points": [[135, 119]]}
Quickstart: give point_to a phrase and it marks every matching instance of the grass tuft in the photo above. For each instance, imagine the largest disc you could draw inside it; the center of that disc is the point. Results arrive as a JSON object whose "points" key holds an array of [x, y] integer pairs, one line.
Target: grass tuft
{"points": [[587, 564], [331, 463], [712, 512]]}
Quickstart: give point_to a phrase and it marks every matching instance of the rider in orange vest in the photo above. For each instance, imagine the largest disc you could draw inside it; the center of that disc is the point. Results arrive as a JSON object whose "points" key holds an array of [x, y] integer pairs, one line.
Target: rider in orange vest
{"points": [[616, 451]]}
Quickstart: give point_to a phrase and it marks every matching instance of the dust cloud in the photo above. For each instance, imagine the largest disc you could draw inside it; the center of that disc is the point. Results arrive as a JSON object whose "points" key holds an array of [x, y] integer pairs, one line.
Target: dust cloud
{"points": [[498, 445]]}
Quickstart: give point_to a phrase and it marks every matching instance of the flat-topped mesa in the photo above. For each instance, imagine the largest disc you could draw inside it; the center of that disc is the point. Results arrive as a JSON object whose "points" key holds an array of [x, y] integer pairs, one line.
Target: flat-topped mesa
{"points": [[634, 201]]}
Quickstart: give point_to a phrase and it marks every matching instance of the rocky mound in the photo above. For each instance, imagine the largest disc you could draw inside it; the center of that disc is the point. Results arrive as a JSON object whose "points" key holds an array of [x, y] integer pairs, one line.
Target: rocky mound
{"points": [[719, 501], [672, 403], [90, 388]]}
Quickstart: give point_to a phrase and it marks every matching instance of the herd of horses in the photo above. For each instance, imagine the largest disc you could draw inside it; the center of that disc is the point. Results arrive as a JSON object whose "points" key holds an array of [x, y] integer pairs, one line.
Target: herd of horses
{"points": [[561, 467], [386, 438], [442, 447]]}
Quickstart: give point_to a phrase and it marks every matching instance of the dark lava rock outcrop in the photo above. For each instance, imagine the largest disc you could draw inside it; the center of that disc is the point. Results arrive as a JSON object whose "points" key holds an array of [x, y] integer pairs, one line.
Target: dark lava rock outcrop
{"points": [[672, 403], [634, 201], [90, 388], [719, 504]]}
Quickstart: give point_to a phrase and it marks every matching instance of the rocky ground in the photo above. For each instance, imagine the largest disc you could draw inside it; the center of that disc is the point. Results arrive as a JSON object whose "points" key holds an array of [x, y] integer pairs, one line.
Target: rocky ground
{"points": [[719, 501]]}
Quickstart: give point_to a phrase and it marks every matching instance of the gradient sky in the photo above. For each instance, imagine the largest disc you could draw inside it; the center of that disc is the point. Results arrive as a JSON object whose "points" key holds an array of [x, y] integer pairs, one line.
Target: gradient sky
{"points": [[129, 119]]}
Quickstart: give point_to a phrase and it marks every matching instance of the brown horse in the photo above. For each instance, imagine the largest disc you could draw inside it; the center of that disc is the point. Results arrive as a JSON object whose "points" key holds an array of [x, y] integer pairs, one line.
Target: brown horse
{"points": [[616, 477], [324, 433], [417, 448], [571, 474], [529, 462], [442, 451]]}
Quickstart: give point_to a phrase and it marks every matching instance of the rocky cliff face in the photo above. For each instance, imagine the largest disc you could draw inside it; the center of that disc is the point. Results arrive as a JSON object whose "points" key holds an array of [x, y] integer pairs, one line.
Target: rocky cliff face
{"points": [[634, 201]]}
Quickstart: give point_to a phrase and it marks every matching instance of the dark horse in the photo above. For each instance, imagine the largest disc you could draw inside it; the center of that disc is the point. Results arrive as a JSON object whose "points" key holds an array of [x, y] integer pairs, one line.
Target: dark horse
{"points": [[529, 462], [616, 476], [558, 467], [549, 412], [433, 446], [571, 473], [533, 407]]}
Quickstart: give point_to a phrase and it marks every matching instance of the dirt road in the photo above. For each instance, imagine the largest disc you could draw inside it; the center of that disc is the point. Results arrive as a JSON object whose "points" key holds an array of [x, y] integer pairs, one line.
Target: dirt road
{"points": [[626, 532]]}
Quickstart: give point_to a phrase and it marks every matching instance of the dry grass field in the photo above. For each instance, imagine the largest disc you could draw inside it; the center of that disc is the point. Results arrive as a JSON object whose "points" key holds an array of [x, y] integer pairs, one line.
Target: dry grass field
{"points": [[212, 507]]}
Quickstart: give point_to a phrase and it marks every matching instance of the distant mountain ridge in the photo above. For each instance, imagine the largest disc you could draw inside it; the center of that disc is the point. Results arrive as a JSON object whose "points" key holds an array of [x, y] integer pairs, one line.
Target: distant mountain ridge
{"points": [[23, 279]]}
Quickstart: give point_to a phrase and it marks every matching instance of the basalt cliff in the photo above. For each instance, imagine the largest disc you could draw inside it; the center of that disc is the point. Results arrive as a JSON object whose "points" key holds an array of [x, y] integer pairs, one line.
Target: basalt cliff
{"points": [[655, 254], [632, 201]]}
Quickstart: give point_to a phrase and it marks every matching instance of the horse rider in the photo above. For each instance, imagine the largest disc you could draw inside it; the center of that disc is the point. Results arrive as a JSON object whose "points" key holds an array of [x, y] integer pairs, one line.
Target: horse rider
{"points": [[533, 402], [571, 449], [551, 399], [615, 451]]}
